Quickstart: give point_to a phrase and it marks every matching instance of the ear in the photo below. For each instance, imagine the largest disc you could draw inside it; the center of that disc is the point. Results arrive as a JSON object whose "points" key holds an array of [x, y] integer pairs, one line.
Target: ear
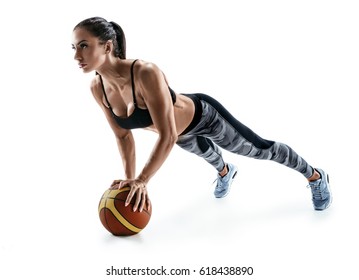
{"points": [[108, 46]]}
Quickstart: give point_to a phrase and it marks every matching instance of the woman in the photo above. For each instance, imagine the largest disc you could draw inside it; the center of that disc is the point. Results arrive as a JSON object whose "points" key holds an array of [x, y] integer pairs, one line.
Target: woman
{"points": [[135, 94]]}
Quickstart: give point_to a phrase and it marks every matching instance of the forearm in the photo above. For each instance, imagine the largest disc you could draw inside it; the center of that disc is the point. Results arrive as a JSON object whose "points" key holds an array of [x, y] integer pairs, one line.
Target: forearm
{"points": [[126, 147], [158, 156]]}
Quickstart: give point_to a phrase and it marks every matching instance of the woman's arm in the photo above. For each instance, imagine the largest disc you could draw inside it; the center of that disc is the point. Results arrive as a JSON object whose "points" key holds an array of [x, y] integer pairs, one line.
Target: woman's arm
{"points": [[154, 90], [126, 147], [158, 100], [124, 138]]}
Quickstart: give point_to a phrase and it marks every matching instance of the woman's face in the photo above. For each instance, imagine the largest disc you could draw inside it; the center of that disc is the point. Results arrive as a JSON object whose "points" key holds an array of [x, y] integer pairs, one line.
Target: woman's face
{"points": [[89, 51]]}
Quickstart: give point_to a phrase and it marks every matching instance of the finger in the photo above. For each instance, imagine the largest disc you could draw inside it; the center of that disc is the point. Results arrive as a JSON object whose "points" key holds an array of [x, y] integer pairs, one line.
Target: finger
{"points": [[149, 204], [114, 187], [129, 197], [115, 184], [143, 201], [122, 184], [132, 192], [138, 199]]}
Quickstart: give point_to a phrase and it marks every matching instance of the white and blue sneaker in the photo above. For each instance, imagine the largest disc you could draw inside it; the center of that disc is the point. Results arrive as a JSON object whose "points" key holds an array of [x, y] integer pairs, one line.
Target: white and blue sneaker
{"points": [[224, 183], [321, 196]]}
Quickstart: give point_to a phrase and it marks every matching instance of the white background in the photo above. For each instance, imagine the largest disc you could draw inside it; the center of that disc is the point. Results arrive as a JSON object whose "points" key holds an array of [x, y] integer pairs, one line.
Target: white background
{"points": [[287, 69]]}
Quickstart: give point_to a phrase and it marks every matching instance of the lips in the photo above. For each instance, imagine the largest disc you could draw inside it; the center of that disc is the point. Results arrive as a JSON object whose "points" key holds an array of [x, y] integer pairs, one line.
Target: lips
{"points": [[82, 65]]}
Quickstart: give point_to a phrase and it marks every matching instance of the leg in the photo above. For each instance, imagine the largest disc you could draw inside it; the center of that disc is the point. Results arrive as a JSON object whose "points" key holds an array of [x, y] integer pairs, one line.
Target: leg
{"points": [[227, 132], [230, 134], [204, 148]]}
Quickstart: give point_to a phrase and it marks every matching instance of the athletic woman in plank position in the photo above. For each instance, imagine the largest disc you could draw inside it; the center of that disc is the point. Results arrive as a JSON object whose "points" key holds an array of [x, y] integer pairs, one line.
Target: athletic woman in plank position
{"points": [[135, 94]]}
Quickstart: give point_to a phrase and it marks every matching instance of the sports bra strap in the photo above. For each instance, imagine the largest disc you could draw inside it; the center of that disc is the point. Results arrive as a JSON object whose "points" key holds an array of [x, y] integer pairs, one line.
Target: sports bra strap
{"points": [[104, 92], [133, 83]]}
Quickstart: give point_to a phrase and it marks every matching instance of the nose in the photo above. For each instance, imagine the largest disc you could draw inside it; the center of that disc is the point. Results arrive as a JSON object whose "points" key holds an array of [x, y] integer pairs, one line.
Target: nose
{"points": [[77, 55]]}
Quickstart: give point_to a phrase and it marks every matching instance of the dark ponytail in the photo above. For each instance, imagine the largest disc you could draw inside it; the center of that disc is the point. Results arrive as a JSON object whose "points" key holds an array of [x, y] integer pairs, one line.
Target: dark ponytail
{"points": [[120, 42], [104, 30]]}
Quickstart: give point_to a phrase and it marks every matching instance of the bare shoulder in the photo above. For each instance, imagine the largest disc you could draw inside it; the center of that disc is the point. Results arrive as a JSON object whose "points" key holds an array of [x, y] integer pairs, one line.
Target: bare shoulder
{"points": [[147, 71], [96, 88]]}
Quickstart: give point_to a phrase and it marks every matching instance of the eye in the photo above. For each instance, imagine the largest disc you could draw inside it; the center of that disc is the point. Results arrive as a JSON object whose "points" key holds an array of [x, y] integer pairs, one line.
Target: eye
{"points": [[83, 46]]}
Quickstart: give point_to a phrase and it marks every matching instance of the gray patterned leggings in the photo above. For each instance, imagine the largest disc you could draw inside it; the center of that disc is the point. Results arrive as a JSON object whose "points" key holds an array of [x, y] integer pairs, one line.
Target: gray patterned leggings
{"points": [[214, 127]]}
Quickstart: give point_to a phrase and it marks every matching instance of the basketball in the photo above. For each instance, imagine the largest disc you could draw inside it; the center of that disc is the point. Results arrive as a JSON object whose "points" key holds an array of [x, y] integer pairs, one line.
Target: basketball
{"points": [[118, 219]]}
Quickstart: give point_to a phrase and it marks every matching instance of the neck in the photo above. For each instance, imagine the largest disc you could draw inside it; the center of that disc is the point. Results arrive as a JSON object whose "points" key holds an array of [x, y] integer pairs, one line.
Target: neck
{"points": [[112, 68], [114, 72]]}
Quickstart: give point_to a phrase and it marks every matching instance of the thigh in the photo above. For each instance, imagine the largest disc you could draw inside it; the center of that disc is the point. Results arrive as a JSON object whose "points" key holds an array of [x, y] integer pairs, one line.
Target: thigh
{"points": [[204, 148], [195, 144], [224, 129]]}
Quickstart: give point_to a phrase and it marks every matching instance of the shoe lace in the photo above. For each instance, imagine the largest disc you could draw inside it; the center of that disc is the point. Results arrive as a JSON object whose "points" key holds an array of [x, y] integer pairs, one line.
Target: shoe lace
{"points": [[316, 191], [219, 183]]}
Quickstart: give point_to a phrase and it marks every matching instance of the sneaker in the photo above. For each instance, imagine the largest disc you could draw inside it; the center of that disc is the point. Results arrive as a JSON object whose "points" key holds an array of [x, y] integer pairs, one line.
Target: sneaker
{"points": [[224, 183], [321, 196]]}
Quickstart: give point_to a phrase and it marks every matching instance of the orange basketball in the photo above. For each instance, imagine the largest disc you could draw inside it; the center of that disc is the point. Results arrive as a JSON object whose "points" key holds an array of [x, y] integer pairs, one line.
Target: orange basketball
{"points": [[118, 219]]}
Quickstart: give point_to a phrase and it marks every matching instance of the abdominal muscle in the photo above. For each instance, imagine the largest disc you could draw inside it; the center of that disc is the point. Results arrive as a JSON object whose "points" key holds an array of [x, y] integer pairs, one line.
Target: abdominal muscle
{"points": [[183, 111]]}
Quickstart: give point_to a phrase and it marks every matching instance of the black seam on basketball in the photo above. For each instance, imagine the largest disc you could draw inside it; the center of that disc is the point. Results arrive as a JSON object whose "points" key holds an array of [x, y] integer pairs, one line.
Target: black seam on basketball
{"points": [[122, 223], [111, 203], [125, 217], [135, 226], [111, 229]]}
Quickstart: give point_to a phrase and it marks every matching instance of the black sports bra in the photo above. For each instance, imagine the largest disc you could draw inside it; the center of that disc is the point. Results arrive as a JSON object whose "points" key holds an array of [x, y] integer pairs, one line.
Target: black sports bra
{"points": [[140, 118]]}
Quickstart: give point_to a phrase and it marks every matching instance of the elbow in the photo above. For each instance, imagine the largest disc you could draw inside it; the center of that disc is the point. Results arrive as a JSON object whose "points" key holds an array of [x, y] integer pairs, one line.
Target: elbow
{"points": [[170, 139], [124, 139], [124, 135], [173, 138]]}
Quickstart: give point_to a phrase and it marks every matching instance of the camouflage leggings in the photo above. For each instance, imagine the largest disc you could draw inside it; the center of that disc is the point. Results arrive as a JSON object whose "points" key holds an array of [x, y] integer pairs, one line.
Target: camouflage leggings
{"points": [[215, 128]]}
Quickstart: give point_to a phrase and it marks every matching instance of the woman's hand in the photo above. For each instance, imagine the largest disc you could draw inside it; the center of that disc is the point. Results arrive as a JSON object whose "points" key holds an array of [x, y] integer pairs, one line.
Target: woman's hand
{"points": [[137, 189]]}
